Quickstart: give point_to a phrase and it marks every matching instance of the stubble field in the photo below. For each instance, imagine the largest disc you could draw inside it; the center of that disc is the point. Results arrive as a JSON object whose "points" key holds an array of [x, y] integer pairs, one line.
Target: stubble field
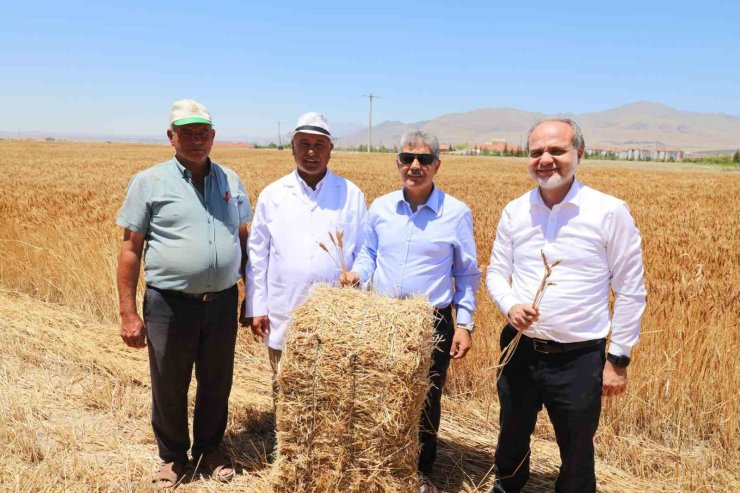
{"points": [[75, 402]]}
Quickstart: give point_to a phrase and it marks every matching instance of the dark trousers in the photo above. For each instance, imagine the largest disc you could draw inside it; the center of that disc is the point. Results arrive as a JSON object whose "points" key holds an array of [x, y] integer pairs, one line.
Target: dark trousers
{"points": [[569, 386], [183, 333], [432, 411]]}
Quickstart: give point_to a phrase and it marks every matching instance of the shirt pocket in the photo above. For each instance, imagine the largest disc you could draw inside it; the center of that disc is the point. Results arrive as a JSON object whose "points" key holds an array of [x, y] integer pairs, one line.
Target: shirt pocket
{"points": [[233, 211], [228, 213]]}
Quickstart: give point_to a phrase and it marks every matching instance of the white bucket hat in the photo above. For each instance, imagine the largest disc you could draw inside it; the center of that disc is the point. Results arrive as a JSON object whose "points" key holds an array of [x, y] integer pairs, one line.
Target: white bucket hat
{"points": [[186, 111], [313, 123]]}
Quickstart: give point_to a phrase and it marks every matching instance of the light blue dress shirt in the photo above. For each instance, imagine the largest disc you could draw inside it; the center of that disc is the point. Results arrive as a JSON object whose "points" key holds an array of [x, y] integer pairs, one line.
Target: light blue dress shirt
{"points": [[420, 253], [192, 239]]}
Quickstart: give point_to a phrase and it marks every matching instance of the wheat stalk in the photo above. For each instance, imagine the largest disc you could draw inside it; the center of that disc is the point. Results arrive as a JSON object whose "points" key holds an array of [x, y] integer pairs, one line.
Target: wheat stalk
{"points": [[324, 248], [337, 239], [339, 246], [510, 348]]}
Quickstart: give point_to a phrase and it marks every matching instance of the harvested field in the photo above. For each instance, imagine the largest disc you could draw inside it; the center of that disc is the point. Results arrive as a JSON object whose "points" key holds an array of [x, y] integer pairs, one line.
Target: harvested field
{"points": [[75, 400], [75, 407]]}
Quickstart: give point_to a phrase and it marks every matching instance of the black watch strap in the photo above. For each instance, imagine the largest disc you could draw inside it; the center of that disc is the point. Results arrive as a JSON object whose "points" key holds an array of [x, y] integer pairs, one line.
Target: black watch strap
{"points": [[620, 361]]}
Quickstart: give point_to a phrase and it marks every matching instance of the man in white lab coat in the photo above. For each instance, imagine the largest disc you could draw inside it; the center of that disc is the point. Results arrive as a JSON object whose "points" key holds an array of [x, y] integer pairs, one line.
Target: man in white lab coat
{"points": [[292, 215]]}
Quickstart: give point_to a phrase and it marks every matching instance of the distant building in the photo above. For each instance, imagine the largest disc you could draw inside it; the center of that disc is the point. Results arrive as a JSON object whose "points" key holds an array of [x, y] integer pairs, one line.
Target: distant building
{"points": [[500, 148], [495, 147], [465, 152], [644, 154], [670, 154], [601, 152]]}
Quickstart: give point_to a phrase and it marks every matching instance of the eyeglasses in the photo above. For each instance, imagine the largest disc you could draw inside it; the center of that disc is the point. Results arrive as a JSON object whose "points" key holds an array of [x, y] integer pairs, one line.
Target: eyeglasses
{"points": [[407, 158], [200, 135]]}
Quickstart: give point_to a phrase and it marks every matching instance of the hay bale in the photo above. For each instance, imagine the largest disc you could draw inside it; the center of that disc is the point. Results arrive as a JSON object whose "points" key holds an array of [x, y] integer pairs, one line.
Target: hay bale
{"points": [[353, 380]]}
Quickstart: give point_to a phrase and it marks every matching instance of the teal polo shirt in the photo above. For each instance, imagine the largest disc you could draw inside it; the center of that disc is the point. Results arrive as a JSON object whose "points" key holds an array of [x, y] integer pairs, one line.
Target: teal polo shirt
{"points": [[192, 240]]}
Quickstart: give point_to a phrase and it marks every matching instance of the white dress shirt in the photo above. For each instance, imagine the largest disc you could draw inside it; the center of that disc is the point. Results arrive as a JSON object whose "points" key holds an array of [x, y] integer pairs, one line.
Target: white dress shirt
{"points": [[595, 237], [285, 259]]}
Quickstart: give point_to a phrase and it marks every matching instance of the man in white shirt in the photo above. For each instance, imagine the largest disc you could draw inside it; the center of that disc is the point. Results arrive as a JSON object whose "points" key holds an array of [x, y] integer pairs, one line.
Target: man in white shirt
{"points": [[561, 361], [292, 216]]}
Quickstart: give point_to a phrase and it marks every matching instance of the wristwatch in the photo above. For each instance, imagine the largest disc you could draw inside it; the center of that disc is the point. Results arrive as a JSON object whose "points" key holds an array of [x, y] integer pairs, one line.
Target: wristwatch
{"points": [[618, 361], [469, 327]]}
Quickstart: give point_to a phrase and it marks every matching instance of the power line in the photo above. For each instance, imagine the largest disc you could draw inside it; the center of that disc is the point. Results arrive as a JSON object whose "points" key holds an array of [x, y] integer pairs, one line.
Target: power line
{"points": [[370, 96]]}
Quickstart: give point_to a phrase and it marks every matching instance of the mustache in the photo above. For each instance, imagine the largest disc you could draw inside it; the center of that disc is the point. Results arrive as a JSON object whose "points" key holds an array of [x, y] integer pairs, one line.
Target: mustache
{"points": [[414, 173]]}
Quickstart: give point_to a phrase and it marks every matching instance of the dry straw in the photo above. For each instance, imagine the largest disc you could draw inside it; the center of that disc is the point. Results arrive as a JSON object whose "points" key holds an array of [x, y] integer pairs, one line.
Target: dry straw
{"points": [[353, 380], [67, 379]]}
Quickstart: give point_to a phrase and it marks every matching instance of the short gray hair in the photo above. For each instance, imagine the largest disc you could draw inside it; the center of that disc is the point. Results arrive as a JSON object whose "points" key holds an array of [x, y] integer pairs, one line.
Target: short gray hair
{"points": [[417, 137], [578, 142]]}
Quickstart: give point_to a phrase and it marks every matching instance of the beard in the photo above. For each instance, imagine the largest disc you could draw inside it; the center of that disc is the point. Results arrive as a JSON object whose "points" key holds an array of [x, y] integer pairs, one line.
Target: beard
{"points": [[560, 177], [555, 180]]}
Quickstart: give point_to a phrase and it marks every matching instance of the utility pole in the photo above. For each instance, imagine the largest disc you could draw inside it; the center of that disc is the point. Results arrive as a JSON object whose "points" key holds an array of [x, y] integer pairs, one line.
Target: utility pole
{"points": [[370, 96], [280, 140]]}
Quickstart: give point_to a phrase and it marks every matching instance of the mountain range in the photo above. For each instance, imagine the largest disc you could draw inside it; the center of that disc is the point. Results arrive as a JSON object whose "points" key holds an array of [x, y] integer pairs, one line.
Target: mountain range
{"points": [[641, 124]]}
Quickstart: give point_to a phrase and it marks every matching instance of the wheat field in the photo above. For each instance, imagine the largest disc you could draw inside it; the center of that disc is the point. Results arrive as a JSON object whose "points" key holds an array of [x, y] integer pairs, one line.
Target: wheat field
{"points": [[75, 401]]}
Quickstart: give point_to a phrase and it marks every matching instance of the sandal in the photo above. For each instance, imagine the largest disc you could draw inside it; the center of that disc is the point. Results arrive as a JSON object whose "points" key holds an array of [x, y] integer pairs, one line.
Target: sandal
{"points": [[168, 476], [218, 466], [425, 484]]}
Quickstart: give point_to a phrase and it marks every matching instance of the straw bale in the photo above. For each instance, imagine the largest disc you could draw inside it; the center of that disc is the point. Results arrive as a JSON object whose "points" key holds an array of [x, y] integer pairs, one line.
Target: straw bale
{"points": [[353, 380]]}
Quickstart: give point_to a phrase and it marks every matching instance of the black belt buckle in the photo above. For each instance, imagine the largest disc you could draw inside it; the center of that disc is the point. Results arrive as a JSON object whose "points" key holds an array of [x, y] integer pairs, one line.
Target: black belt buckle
{"points": [[207, 297], [541, 346]]}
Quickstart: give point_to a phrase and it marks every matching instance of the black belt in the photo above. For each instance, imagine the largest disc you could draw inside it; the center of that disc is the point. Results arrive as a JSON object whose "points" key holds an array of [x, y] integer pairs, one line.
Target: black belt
{"points": [[202, 297], [551, 347]]}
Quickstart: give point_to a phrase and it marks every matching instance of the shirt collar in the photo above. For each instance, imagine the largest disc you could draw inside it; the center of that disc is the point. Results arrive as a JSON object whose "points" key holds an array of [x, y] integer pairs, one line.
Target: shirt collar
{"points": [[434, 202], [572, 197], [186, 172], [304, 186]]}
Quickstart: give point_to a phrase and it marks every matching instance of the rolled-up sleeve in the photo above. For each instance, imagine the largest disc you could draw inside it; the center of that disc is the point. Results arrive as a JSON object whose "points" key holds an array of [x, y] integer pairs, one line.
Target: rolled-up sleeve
{"points": [[624, 255], [498, 274], [258, 248], [465, 270], [245, 208], [136, 211]]}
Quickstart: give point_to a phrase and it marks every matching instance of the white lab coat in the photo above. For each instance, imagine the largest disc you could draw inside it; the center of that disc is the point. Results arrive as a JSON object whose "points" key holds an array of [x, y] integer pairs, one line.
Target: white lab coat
{"points": [[285, 258]]}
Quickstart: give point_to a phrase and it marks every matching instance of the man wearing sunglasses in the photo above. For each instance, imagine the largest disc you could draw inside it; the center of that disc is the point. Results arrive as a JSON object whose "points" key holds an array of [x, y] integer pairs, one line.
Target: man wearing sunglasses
{"points": [[561, 362], [419, 241]]}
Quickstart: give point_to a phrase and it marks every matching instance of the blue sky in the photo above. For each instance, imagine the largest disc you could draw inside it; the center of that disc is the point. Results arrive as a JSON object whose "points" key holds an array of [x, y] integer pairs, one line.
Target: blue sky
{"points": [[114, 68]]}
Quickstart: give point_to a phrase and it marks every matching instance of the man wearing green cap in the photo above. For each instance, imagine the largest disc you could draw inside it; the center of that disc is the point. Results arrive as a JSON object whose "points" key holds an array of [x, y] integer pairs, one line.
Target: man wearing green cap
{"points": [[192, 214]]}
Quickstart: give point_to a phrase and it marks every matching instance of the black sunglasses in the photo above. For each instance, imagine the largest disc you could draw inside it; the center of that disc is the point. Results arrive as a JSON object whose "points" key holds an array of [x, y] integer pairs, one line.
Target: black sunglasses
{"points": [[408, 158]]}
